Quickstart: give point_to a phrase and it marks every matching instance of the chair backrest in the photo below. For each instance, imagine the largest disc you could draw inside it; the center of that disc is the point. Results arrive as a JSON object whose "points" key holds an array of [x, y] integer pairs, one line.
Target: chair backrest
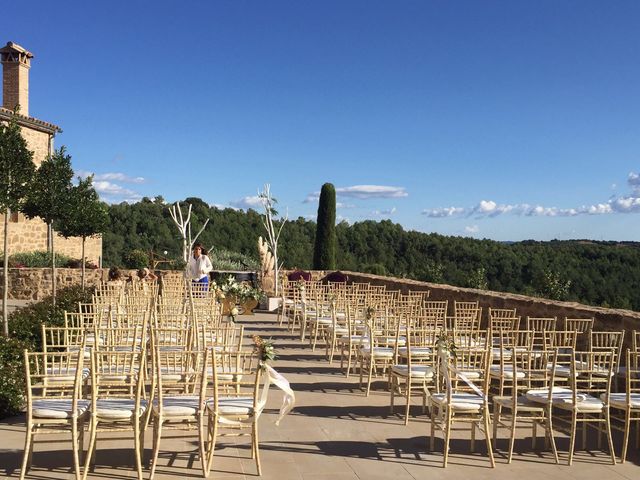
{"points": [[58, 375], [222, 338], [592, 372], [559, 339], [581, 325], [497, 324], [117, 374], [502, 313], [604, 341], [234, 375], [635, 340], [62, 339], [179, 373], [132, 339], [540, 324], [466, 315], [529, 370], [633, 374]]}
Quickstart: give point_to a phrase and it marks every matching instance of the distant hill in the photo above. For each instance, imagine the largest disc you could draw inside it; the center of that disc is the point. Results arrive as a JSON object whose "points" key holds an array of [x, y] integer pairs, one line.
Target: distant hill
{"points": [[593, 272]]}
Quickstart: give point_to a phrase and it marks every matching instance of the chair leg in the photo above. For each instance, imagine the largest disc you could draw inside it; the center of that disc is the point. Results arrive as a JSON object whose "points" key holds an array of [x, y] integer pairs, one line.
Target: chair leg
{"points": [[157, 435], [408, 405], [612, 452], [139, 445], [28, 446], [487, 436], [447, 438], [256, 445], [512, 440], [213, 434], [201, 445], [93, 434], [572, 437], [625, 439], [432, 439], [549, 428], [75, 448], [370, 375]]}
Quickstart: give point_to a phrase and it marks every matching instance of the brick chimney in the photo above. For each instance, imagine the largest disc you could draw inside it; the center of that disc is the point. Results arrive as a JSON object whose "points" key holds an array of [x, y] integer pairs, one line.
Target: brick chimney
{"points": [[16, 62]]}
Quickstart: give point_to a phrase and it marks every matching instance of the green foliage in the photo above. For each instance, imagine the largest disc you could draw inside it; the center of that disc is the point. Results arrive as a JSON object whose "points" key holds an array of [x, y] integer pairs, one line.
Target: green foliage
{"points": [[12, 378], [600, 272], [136, 259], [478, 279], [25, 327], [324, 252], [223, 259], [375, 269], [50, 194], [26, 323], [37, 259], [86, 215], [16, 167], [554, 285]]}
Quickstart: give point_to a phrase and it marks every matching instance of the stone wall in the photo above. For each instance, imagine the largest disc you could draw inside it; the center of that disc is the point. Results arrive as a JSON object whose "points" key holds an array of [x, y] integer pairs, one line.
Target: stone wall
{"points": [[35, 283], [605, 318]]}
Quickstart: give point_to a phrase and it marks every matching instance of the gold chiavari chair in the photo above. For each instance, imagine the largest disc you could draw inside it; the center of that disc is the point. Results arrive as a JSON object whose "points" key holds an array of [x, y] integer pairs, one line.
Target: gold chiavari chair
{"points": [[416, 367], [117, 403], [626, 405], [376, 350], [433, 314], [504, 344], [235, 404], [502, 313], [179, 382], [54, 383], [464, 399], [529, 372]]}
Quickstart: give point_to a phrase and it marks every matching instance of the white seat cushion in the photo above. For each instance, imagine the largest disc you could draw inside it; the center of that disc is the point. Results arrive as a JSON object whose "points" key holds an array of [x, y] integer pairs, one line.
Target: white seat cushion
{"points": [[494, 371], [541, 395], [233, 406], [181, 406], [57, 408], [415, 351], [466, 402], [378, 352], [421, 371], [619, 400], [118, 408], [64, 375], [346, 339]]}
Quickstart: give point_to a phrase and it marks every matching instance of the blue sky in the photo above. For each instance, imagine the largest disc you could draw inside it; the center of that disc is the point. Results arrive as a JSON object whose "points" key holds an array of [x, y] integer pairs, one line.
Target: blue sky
{"points": [[506, 119]]}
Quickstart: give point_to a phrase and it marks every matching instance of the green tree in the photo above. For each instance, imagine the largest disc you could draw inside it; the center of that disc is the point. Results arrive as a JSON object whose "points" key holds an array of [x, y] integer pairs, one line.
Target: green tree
{"points": [[324, 252], [86, 216], [16, 170], [50, 198]]}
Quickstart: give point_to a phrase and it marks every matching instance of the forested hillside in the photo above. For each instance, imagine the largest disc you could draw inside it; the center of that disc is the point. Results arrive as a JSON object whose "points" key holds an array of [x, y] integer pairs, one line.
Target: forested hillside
{"points": [[597, 273]]}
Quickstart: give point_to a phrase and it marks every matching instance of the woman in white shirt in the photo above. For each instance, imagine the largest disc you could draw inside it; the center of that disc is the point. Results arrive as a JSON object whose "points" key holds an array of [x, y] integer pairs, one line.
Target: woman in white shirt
{"points": [[199, 265]]}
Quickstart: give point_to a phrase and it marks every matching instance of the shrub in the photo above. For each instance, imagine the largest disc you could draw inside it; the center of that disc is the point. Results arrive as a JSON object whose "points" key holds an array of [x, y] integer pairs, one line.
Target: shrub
{"points": [[26, 323], [136, 259], [375, 269], [227, 260], [12, 381], [37, 259]]}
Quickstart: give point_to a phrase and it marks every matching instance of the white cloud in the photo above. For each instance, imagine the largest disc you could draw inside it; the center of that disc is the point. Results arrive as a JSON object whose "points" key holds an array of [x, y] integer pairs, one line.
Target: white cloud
{"points": [[111, 177], [112, 192], [363, 192], [246, 203], [443, 212], [385, 212], [344, 205], [472, 229]]}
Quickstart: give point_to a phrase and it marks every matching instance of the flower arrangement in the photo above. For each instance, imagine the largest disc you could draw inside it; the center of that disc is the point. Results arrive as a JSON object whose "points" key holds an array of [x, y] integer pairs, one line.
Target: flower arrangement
{"points": [[241, 291], [233, 313], [264, 349], [445, 344]]}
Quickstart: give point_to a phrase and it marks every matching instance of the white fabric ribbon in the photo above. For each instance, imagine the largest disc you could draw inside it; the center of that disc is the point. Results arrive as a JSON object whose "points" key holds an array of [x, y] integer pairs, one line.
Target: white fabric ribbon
{"points": [[288, 400]]}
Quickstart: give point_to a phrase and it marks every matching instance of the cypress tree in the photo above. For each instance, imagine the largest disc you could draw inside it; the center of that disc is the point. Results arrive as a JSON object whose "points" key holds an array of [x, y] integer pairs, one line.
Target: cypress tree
{"points": [[324, 252]]}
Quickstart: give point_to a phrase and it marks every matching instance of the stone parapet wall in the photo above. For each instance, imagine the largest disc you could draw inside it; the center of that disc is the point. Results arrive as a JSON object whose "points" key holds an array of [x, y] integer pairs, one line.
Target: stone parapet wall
{"points": [[605, 318], [35, 283]]}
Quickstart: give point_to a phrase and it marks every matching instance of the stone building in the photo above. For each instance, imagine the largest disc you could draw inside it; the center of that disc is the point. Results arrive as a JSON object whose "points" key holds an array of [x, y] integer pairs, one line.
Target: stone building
{"points": [[29, 235]]}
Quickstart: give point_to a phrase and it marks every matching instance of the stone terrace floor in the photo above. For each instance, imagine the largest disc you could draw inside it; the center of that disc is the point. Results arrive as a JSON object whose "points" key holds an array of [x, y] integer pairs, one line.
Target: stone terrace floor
{"points": [[335, 432]]}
